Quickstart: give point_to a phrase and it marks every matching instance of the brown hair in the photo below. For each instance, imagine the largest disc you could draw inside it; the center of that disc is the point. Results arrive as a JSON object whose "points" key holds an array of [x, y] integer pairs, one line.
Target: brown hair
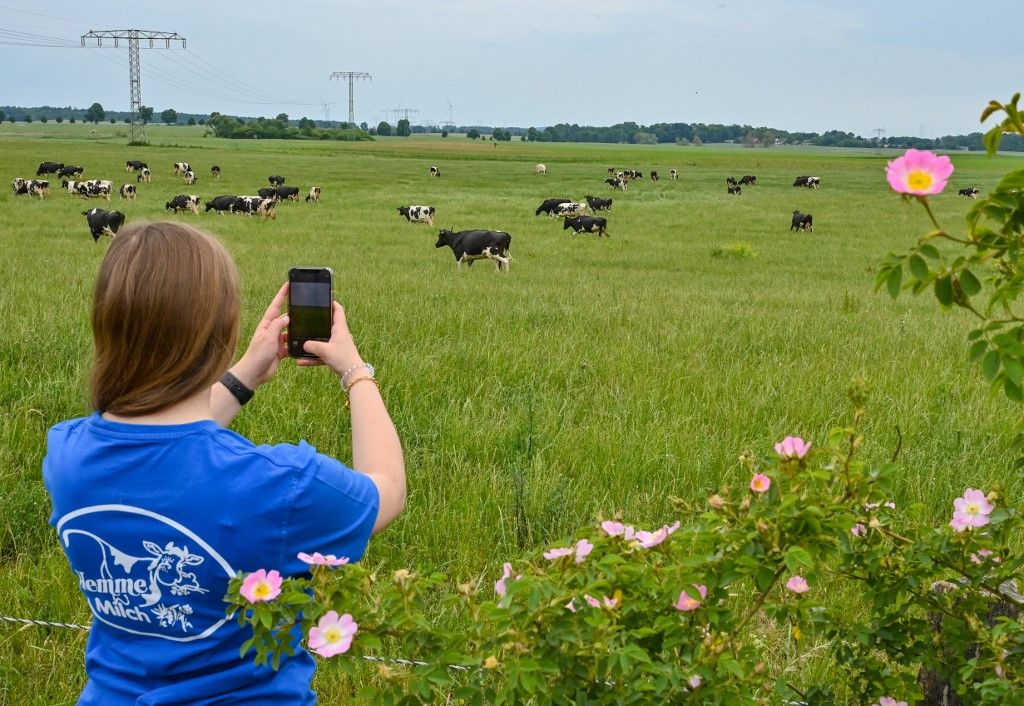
{"points": [[164, 317]]}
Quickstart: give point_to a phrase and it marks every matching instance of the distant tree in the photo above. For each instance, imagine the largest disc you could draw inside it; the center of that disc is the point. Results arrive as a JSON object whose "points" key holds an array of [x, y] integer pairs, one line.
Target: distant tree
{"points": [[28, 117], [95, 113], [202, 121], [145, 113], [305, 123], [125, 121], [473, 134], [60, 119], [72, 120], [498, 134], [363, 126], [384, 128], [682, 141], [402, 129], [372, 131], [768, 138], [44, 119], [696, 141], [3, 116], [113, 121], [283, 117], [750, 140], [522, 138], [191, 120], [444, 133], [10, 118], [169, 116], [645, 138]]}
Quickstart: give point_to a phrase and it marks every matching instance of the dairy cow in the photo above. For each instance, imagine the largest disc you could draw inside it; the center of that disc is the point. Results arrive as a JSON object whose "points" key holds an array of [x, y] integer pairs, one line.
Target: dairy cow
{"points": [[184, 202], [748, 179], [616, 183], [144, 175], [314, 194], [470, 245], [417, 214], [288, 192], [215, 171], [587, 224], [802, 221], [181, 167], [190, 177], [970, 192], [734, 189], [565, 210], [811, 182], [599, 204], [673, 174], [550, 205], [70, 170], [128, 191], [276, 180], [220, 204], [540, 169], [49, 168], [134, 165], [103, 222]]}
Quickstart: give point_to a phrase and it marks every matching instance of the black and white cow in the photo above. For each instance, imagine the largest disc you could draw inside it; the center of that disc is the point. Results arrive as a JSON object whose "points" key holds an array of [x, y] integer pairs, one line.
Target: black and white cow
{"points": [[49, 168], [673, 174], [314, 194], [616, 183], [611, 171], [587, 224], [215, 171], [550, 205], [38, 187], [735, 189], [802, 221], [276, 180], [632, 174], [731, 181], [417, 214], [184, 202], [970, 192], [103, 222], [255, 204], [20, 186], [569, 209], [434, 171], [190, 177], [144, 175], [599, 204], [97, 188], [470, 245], [288, 192], [748, 179], [134, 165], [811, 182], [70, 170], [128, 191], [220, 204], [654, 175], [268, 192], [181, 167]]}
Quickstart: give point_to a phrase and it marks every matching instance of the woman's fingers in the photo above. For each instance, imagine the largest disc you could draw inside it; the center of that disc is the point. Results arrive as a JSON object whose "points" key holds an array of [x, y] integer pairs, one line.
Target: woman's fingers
{"points": [[274, 310]]}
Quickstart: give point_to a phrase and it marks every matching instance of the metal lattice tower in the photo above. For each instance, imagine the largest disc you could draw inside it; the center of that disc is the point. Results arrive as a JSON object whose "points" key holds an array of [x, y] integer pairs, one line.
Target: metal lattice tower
{"points": [[351, 76], [404, 112], [137, 127]]}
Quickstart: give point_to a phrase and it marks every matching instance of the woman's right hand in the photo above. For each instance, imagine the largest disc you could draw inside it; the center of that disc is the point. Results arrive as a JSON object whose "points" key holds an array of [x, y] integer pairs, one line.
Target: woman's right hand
{"points": [[339, 354]]}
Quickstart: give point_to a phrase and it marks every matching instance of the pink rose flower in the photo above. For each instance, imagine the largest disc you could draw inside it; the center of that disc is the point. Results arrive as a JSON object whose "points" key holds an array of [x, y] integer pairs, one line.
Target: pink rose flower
{"points": [[591, 601], [613, 529], [686, 603], [583, 548], [499, 585], [651, 539], [792, 447], [970, 511], [332, 635], [760, 483], [889, 701], [858, 530], [674, 527], [797, 584], [261, 586], [982, 555], [569, 606], [694, 681], [318, 559], [558, 553], [919, 173], [610, 603]]}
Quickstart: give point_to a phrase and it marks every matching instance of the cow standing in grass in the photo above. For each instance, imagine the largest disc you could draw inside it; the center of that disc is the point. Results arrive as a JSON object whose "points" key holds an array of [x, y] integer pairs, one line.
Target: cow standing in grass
{"points": [[417, 214], [802, 221], [587, 224], [470, 245]]}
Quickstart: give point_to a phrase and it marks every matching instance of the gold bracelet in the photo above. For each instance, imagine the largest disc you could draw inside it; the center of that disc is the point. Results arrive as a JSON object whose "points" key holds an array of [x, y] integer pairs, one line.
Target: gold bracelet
{"points": [[359, 380]]}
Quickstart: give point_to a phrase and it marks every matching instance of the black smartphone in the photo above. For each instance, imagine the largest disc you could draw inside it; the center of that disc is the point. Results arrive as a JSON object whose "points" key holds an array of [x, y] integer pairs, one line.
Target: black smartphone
{"points": [[310, 301]]}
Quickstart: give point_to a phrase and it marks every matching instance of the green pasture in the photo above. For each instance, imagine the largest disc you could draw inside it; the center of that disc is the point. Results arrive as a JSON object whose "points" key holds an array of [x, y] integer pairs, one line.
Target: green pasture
{"points": [[598, 376]]}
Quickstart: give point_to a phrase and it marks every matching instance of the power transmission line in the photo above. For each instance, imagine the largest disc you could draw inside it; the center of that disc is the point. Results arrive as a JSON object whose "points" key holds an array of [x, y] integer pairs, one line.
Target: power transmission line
{"points": [[351, 76], [136, 125]]}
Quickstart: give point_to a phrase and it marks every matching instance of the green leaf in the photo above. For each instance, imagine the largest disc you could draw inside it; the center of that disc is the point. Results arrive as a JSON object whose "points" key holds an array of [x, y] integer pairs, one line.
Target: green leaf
{"points": [[978, 349], [992, 139], [1014, 369], [918, 267], [1013, 390], [796, 557], [969, 283], [944, 290], [990, 365], [894, 280], [930, 251]]}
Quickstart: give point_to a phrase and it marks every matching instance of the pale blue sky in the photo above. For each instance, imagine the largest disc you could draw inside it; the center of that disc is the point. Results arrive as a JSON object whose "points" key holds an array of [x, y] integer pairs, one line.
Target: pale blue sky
{"points": [[848, 65]]}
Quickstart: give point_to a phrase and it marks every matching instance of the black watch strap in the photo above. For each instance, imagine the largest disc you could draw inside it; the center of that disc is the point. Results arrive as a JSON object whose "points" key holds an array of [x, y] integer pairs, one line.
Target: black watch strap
{"points": [[242, 393]]}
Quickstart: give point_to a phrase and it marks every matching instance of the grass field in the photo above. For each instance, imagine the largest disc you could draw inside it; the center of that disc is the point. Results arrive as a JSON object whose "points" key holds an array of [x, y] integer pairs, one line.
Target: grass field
{"points": [[597, 376]]}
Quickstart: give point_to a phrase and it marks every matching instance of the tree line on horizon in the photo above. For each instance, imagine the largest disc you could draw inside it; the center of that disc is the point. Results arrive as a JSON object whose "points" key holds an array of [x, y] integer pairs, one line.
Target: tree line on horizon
{"points": [[282, 127]]}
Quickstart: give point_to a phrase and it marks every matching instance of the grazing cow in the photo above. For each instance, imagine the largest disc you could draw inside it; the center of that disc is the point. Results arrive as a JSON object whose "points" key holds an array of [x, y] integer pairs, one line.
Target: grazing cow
{"points": [[70, 170], [748, 179], [314, 194], [190, 177], [970, 192], [49, 168], [247, 204], [730, 181], [587, 224], [94, 188], [549, 205], [71, 186], [599, 204], [134, 165], [735, 189], [184, 202], [288, 192], [20, 186], [268, 192], [811, 182], [103, 222], [417, 214], [220, 204], [181, 167], [31, 187], [802, 221], [470, 245], [564, 210], [654, 175], [215, 171], [276, 180], [266, 208], [128, 191], [673, 174], [616, 183], [434, 171], [611, 171], [144, 175], [540, 169]]}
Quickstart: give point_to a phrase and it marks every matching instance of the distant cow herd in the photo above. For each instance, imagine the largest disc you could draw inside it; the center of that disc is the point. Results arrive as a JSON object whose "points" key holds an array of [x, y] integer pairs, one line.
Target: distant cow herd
{"points": [[466, 245]]}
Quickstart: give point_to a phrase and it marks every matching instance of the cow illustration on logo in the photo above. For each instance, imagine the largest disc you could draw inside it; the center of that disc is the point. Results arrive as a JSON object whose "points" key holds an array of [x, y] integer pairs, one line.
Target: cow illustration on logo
{"points": [[141, 580]]}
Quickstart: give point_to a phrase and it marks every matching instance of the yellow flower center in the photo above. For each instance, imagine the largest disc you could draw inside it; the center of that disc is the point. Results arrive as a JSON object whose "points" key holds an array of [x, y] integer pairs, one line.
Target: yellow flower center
{"points": [[919, 180], [332, 634], [973, 508], [261, 590]]}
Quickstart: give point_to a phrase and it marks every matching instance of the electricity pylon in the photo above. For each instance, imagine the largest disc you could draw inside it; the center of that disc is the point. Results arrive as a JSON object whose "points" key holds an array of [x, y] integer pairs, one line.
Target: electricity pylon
{"points": [[351, 76]]}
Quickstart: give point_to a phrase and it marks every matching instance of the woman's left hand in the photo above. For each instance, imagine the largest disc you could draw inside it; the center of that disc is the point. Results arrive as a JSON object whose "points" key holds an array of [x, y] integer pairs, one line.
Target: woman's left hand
{"points": [[267, 347]]}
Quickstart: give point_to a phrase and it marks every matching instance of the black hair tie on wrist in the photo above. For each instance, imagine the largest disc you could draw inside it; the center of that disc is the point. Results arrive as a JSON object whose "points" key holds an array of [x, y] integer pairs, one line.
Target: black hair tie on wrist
{"points": [[235, 386]]}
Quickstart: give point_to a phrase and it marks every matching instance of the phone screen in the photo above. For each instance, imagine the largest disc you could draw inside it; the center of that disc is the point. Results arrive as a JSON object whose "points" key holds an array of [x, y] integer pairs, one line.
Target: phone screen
{"points": [[310, 297]]}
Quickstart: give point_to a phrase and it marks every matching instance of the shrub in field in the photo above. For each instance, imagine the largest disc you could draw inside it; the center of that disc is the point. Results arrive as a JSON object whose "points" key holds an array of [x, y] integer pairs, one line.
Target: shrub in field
{"points": [[741, 249]]}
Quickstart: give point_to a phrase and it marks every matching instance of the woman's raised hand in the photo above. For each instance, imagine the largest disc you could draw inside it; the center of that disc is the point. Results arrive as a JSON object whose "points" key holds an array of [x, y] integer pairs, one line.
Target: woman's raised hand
{"points": [[339, 354], [266, 349]]}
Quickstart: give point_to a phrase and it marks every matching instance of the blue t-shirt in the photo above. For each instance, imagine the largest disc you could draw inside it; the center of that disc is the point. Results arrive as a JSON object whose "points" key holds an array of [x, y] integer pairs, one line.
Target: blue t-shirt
{"points": [[156, 519]]}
